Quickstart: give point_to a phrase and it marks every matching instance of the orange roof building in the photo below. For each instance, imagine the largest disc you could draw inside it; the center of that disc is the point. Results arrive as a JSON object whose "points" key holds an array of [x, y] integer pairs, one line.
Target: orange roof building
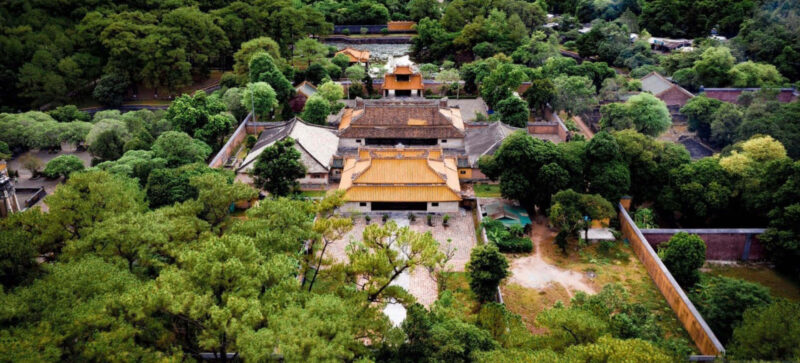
{"points": [[403, 80], [355, 55], [384, 179]]}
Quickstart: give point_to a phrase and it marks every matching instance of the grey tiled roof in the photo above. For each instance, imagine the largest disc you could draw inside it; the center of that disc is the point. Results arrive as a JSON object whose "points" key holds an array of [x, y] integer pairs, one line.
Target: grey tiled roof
{"points": [[486, 140]]}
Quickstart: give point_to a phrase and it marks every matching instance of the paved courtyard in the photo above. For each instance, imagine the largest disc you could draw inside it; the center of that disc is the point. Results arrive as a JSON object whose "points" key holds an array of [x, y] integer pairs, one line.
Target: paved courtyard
{"points": [[460, 232], [469, 107], [25, 181]]}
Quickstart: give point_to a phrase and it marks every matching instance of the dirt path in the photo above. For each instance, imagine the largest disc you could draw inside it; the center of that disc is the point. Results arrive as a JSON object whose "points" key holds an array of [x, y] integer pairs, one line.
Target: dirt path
{"points": [[534, 272], [585, 130]]}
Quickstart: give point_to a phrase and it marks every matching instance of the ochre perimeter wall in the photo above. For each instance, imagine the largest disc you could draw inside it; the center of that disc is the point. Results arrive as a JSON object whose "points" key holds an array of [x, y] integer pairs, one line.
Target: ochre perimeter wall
{"points": [[688, 315]]}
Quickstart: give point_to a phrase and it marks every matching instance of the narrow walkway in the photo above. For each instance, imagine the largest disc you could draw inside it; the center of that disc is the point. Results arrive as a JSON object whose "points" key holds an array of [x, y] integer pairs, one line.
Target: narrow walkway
{"points": [[534, 272], [585, 130]]}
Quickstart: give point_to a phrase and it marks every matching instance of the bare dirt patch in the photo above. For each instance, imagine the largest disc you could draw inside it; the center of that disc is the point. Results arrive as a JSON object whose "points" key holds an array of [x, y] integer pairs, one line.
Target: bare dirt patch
{"points": [[534, 272]]}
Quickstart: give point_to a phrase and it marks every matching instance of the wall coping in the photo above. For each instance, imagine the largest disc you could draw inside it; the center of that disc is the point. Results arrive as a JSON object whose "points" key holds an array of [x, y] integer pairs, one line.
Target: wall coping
{"points": [[239, 129], [692, 309], [703, 230]]}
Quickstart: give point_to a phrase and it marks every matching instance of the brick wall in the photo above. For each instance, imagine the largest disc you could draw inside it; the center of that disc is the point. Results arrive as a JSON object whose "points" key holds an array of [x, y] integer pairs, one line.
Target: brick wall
{"points": [[686, 312], [721, 244]]}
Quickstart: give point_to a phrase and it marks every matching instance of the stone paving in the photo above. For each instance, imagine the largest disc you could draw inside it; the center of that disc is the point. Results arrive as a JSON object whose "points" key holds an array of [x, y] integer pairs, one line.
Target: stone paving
{"points": [[460, 231], [25, 181]]}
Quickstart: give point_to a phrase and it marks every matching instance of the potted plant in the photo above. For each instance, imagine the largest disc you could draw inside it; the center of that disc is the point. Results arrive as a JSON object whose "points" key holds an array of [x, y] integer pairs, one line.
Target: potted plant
{"points": [[385, 218], [411, 217], [445, 219], [430, 219], [367, 218]]}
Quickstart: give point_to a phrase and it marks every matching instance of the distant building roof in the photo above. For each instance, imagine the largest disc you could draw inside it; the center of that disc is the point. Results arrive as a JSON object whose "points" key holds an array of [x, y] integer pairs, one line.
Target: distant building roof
{"points": [[506, 213], [317, 144], [355, 55], [485, 140], [400, 175], [400, 25], [306, 89], [665, 90], [413, 119]]}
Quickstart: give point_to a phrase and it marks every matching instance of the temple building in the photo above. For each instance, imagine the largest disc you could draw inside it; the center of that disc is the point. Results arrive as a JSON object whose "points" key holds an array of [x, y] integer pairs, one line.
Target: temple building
{"points": [[356, 56], [316, 144], [403, 81], [389, 179], [401, 122]]}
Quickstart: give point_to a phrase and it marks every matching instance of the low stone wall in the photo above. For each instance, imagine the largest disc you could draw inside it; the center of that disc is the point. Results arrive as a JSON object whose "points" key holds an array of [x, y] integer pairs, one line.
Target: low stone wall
{"points": [[233, 143], [721, 244], [686, 312]]}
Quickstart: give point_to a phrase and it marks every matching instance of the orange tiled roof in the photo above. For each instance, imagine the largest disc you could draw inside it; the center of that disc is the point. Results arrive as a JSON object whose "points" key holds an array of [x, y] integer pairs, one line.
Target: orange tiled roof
{"points": [[414, 82], [400, 175], [400, 25], [355, 55]]}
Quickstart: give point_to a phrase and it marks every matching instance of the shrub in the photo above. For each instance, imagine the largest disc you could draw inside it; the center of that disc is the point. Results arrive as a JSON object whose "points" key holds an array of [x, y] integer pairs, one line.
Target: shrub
{"points": [[385, 31], [346, 31], [683, 255], [445, 219], [250, 141], [364, 31], [511, 240], [430, 220], [486, 267]]}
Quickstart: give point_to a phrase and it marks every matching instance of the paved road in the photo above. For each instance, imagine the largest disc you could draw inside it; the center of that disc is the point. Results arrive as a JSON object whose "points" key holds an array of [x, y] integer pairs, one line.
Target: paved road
{"points": [[585, 130]]}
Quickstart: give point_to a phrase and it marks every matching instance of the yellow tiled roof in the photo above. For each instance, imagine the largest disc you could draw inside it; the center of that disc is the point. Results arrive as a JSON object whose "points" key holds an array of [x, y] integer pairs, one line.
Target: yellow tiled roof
{"points": [[400, 175], [428, 193], [355, 55]]}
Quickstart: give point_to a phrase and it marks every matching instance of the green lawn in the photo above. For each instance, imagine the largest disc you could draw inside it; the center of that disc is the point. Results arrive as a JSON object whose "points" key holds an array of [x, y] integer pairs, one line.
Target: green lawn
{"points": [[487, 190], [778, 284]]}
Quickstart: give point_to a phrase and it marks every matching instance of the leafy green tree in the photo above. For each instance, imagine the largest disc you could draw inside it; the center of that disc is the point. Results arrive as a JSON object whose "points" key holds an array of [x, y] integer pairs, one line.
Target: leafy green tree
{"points": [[178, 148], [278, 167], [487, 267], [421, 9], [610, 350], [650, 162], [191, 113], [698, 190], [384, 253], [222, 290], [714, 66], [331, 91], [570, 210], [216, 130], [259, 96], [167, 186], [73, 308], [768, 332], [750, 74], [726, 120], [341, 60], [309, 50], [63, 165], [683, 255], [643, 112], [17, 257], [606, 173], [501, 83], [782, 238], [243, 56], [316, 110], [450, 77], [69, 113], [520, 163], [233, 102], [108, 145], [700, 110], [217, 195], [354, 73], [541, 93], [134, 164], [513, 111], [574, 94], [722, 301], [90, 197]]}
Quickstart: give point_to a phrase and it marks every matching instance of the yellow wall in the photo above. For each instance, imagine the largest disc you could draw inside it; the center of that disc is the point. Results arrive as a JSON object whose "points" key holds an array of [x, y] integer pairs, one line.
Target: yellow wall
{"points": [[465, 173]]}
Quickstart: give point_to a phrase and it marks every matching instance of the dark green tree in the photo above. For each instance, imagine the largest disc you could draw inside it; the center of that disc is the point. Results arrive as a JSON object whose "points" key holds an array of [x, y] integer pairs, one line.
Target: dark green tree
{"points": [[487, 267], [683, 255], [278, 167]]}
